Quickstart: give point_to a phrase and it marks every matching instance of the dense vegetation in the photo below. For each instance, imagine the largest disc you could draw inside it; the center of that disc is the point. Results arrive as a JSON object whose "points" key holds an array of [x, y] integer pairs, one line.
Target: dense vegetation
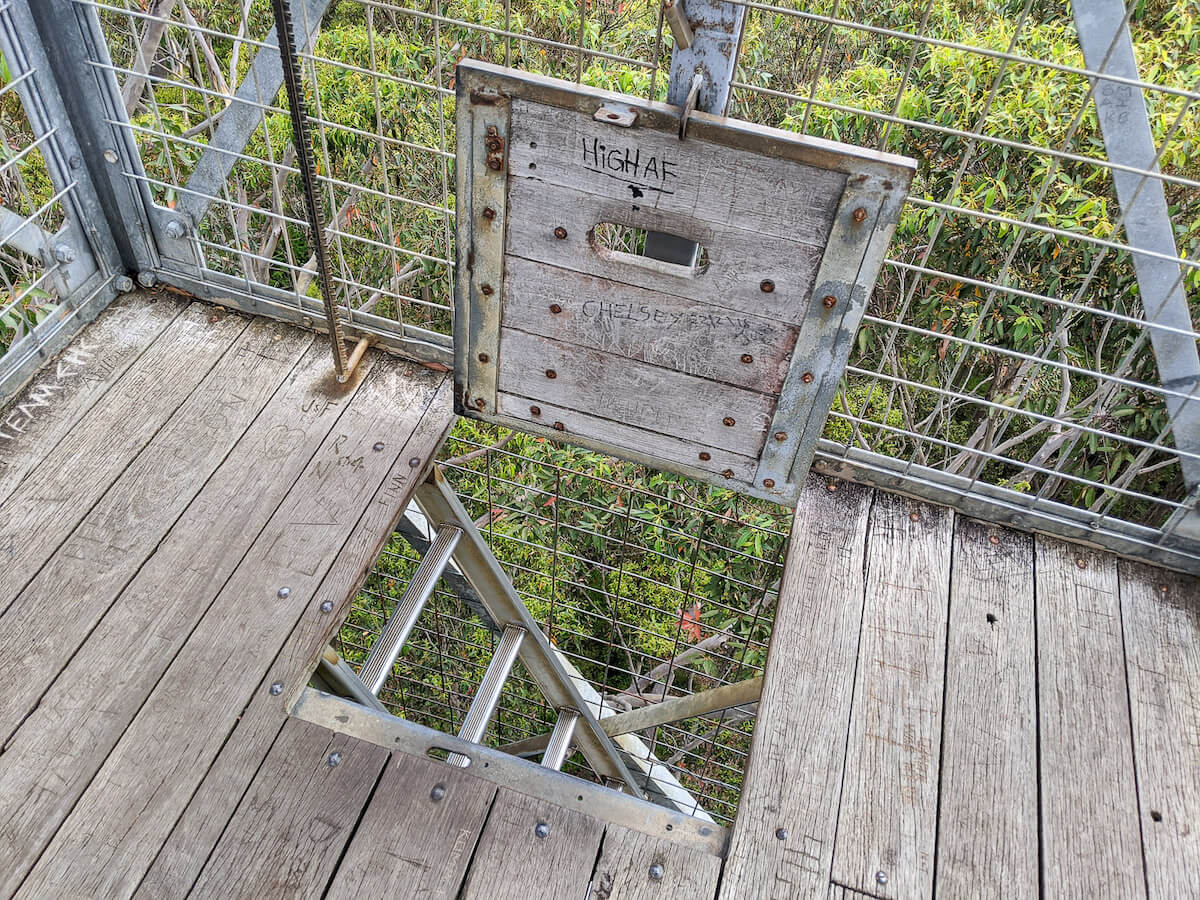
{"points": [[629, 568]]}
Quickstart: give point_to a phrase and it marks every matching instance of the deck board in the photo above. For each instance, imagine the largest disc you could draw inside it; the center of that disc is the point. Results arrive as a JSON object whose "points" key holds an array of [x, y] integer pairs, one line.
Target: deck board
{"points": [[1051, 749]]}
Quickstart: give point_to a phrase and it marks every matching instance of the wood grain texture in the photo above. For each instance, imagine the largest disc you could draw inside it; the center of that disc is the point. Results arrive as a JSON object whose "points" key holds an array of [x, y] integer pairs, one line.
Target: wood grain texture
{"points": [[77, 584], [71, 383], [511, 862], [55, 496], [987, 827], [647, 397], [737, 188], [49, 762], [793, 780], [659, 329], [1091, 845], [1161, 617], [888, 818], [626, 858], [200, 825], [738, 261], [197, 702], [294, 822], [409, 844], [662, 445]]}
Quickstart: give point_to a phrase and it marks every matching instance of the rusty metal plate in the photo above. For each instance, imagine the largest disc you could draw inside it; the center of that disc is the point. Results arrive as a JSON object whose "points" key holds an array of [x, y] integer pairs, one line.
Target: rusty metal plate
{"points": [[723, 369]]}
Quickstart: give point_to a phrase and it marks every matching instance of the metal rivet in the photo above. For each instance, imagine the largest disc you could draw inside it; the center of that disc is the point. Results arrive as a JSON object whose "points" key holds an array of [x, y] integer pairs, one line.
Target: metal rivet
{"points": [[860, 214], [728, 422], [781, 834], [284, 593], [768, 483], [75, 162], [276, 688], [438, 792], [555, 308], [881, 877], [489, 213], [656, 872], [560, 233], [766, 285], [914, 517], [829, 301], [480, 403], [535, 410], [781, 435], [110, 155], [65, 253], [483, 357], [728, 473], [334, 759], [550, 373], [559, 426], [807, 377], [486, 290], [747, 358], [378, 446], [541, 829], [327, 606], [705, 455], [994, 538], [414, 462], [1081, 562], [176, 230]]}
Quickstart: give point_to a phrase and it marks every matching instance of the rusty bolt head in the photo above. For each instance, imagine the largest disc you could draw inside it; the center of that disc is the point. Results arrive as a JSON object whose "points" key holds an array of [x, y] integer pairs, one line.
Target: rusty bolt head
{"points": [[489, 213], [705, 455], [747, 358], [555, 308], [807, 377], [550, 373], [766, 285], [483, 357], [728, 473], [781, 435], [829, 301], [559, 426], [1164, 589], [495, 164], [768, 483], [535, 410], [493, 141], [491, 129], [480, 403], [1081, 562], [728, 422], [914, 516], [994, 538], [860, 215], [560, 233], [486, 289]]}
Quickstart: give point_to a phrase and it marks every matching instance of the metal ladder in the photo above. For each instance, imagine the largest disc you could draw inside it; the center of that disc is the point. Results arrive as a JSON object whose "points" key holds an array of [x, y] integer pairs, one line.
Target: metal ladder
{"points": [[457, 538]]}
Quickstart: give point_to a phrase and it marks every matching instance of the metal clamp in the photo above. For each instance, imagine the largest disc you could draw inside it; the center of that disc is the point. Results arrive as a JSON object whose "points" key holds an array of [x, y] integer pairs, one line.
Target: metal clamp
{"points": [[690, 106]]}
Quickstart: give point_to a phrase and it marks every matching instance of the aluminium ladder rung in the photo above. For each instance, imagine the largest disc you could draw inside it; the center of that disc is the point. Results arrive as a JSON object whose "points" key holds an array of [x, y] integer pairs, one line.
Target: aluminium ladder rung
{"points": [[560, 739], [488, 696], [400, 624]]}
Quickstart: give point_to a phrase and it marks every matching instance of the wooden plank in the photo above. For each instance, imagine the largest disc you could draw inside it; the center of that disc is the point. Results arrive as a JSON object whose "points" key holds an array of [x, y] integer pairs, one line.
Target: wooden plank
{"points": [[75, 587], [888, 820], [418, 834], [49, 762], [200, 825], [512, 861], [1161, 619], [840, 892], [636, 865], [798, 749], [291, 827], [197, 702], [738, 261], [1091, 842], [987, 827], [741, 189], [695, 338], [642, 396], [53, 499], [70, 384], [654, 442]]}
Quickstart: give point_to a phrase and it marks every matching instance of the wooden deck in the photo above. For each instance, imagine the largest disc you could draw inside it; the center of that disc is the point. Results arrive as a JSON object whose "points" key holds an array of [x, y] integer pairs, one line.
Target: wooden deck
{"points": [[188, 502]]}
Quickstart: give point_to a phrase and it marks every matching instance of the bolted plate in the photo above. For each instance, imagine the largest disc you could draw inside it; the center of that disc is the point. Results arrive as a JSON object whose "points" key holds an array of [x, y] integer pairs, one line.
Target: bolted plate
{"points": [[722, 368]]}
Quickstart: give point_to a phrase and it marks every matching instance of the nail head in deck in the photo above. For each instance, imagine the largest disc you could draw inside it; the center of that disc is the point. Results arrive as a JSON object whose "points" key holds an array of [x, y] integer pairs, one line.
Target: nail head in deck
{"points": [[559, 426], [807, 377], [438, 792], [560, 233], [550, 373], [486, 290], [781, 435], [768, 483], [728, 422], [767, 286], [728, 473], [276, 688], [555, 308], [705, 455], [334, 759], [535, 410], [414, 462], [489, 213], [327, 606], [747, 358], [829, 301], [656, 872], [1081, 562], [483, 357], [881, 877], [378, 446], [541, 829], [860, 215], [284, 593], [781, 834]]}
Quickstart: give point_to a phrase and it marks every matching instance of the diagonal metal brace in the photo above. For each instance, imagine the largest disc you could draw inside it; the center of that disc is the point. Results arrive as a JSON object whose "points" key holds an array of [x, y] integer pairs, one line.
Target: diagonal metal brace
{"points": [[441, 506]]}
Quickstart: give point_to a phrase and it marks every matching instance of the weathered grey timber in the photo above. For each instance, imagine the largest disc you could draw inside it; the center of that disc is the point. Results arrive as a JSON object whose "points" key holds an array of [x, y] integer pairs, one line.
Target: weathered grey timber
{"points": [[302, 806], [987, 822], [418, 833], [888, 818], [1160, 612], [799, 744], [636, 865], [1091, 843], [531, 845]]}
